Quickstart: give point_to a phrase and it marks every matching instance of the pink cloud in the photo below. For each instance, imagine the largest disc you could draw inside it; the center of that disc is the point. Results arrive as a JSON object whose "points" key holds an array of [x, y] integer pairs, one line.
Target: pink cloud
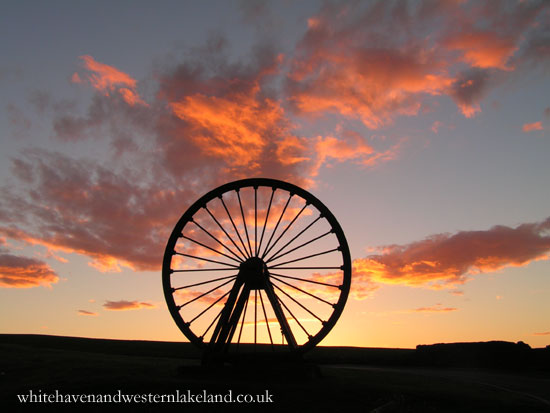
{"points": [[484, 49], [446, 261], [435, 126], [80, 207], [529, 127], [75, 78], [23, 272]]}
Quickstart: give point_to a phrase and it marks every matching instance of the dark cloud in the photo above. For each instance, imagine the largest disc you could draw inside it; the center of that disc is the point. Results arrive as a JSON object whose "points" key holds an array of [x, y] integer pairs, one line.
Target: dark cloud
{"points": [[468, 90], [80, 206]]}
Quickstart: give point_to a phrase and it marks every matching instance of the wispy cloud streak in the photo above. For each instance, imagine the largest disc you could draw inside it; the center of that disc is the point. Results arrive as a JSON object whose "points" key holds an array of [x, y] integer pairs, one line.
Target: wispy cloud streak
{"points": [[123, 305]]}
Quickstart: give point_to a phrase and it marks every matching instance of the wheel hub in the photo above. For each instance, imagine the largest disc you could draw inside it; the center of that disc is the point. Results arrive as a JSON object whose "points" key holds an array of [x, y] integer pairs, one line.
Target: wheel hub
{"points": [[254, 273]]}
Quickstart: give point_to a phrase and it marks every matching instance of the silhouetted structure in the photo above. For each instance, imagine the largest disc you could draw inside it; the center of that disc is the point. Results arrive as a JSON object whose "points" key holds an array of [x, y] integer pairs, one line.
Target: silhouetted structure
{"points": [[261, 246]]}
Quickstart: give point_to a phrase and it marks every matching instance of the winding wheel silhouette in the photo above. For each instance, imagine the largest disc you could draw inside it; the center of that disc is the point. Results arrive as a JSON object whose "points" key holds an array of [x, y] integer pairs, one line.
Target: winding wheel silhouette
{"points": [[256, 266]]}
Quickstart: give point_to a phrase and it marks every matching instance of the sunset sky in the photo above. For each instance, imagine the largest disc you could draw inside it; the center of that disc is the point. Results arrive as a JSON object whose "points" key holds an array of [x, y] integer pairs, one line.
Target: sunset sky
{"points": [[424, 126]]}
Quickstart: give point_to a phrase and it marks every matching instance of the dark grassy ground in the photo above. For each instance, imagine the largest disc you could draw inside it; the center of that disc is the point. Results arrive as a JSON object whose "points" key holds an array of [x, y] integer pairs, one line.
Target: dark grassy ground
{"points": [[330, 379]]}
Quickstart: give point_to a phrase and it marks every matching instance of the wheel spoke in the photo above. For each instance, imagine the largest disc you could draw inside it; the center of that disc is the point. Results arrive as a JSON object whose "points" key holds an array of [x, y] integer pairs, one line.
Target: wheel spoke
{"points": [[277, 255], [210, 248], [203, 270], [295, 237], [211, 324], [286, 229], [204, 282], [266, 321], [205, 259], [215, 239], [234, 226], [210, 306], [302, 291], [266, 217], [310, 268], [297, 302], [305, 280], [255, 221], [244, 222], [277, 225], [294, 317], [203, 294], [305, 258], [281, 318], [225, 232]]}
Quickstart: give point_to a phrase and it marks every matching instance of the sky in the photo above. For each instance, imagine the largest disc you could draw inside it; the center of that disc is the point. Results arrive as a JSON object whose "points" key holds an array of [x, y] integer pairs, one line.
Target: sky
{"points": [[422, 125]]}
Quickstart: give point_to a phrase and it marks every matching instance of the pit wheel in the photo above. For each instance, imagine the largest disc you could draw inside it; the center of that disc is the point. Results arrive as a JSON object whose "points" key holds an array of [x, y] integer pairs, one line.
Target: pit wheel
{"points": [[254, 264]]}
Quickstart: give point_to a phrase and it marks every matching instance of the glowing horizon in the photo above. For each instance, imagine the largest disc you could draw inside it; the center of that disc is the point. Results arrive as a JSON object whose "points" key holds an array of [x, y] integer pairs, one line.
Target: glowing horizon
{"points": [[423, 128]]}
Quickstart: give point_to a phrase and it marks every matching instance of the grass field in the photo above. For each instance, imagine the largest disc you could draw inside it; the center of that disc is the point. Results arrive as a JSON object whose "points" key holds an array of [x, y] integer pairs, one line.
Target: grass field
{"points": [[329, 380]]}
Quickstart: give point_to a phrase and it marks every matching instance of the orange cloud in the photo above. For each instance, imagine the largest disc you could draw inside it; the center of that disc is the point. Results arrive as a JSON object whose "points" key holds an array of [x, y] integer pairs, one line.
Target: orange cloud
{"points": [[372, 85], [23, 272], [368, 62], [228, 125], [544, 333], [445, 261], [292, 150], [108, 79], [126, 305], [438, 308], [234, 127], [75, 78], [105, 77], [130, 96], [529, 127], [484, 49], [87, 313], [340, 150], [350, 147]]}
